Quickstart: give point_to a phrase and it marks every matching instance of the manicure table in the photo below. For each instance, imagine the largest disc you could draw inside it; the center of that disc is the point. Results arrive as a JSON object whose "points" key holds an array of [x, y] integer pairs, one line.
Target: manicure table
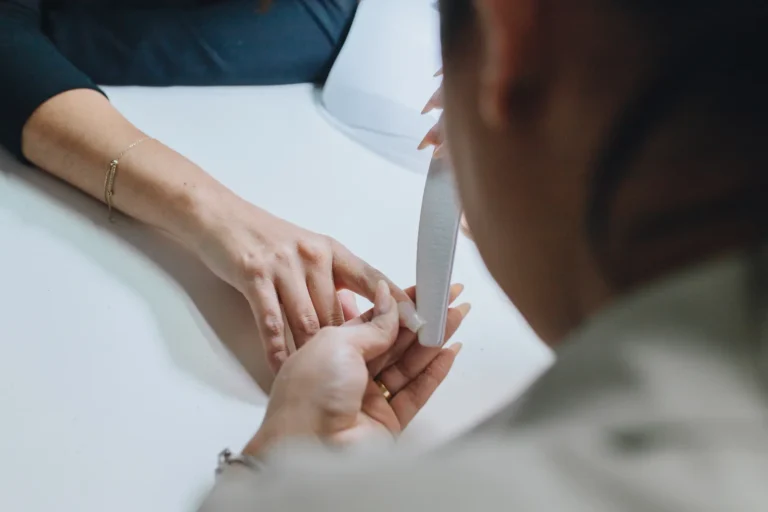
{"points": [[126, 366]]}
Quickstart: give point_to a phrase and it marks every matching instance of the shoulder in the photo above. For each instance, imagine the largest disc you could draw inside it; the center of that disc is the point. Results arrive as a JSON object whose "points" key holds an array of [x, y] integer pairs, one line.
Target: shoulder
{"points": [[530, 471]]}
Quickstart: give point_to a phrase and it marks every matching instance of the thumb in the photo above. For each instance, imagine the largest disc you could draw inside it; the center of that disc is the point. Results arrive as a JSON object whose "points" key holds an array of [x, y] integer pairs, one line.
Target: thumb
{"points": [[375, 337]]}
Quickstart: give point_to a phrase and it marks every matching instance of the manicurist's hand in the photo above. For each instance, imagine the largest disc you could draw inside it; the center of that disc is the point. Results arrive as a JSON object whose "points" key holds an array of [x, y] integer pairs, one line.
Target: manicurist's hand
{"points": [[274, 263], [327, 390]]}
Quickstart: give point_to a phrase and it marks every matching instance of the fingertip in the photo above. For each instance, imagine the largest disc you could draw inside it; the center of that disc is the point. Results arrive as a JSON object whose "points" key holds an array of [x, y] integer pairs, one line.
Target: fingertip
{"points": [[458, 288], [464, 309], [455, 348]]}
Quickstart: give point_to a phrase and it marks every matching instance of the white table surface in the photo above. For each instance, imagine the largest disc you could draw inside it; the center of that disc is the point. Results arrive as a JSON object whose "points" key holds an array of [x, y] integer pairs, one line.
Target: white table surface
{"points": [[116, 391]]}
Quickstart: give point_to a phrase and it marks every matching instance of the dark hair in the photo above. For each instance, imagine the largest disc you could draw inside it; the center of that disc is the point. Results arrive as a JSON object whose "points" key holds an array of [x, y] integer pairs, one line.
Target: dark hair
{"points": [[720, 49], [455, 16]]}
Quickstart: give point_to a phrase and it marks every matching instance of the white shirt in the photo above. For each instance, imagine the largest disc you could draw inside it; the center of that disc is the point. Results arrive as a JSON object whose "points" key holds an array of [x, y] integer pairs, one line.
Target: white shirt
{"points": [[657, 404]]}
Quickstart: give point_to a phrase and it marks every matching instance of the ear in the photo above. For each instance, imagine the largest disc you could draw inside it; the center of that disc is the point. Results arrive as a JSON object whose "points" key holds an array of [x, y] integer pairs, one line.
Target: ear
{"points": [[507, 30]]}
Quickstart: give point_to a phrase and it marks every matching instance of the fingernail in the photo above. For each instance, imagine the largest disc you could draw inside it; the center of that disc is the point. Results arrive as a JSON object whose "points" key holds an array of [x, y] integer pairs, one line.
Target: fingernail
{"points": [[439, 72], [427, 109], [456, 290], [464, 309], [456, 348], [423, 145], [382, 303], [439, 151], [408, 316]]}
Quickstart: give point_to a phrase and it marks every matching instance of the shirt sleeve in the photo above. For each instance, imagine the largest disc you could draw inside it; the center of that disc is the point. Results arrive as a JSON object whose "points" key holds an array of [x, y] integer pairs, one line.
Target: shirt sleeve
{"points": [[32, 70]]}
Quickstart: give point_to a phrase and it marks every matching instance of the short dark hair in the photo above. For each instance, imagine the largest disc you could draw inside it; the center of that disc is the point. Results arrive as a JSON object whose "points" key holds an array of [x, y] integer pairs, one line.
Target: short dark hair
{"points": [[730, 53], [455, 16]]}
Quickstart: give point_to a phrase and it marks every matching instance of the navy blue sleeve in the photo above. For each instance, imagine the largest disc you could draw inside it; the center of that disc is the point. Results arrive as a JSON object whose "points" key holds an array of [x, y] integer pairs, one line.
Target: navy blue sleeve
{"points": [[193, 43], [32, 70]]}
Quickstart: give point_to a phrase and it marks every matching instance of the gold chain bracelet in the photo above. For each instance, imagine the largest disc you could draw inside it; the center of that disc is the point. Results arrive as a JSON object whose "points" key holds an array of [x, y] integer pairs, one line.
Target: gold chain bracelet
{"points": [[109, 181]]}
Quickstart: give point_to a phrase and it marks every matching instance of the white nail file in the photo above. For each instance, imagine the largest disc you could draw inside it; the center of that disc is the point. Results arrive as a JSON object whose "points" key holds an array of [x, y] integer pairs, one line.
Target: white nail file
{"points": [[438, 231]]}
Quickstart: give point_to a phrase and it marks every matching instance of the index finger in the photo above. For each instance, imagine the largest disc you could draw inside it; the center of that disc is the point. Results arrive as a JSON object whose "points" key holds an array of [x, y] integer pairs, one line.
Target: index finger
{"points": [[356, 275]]}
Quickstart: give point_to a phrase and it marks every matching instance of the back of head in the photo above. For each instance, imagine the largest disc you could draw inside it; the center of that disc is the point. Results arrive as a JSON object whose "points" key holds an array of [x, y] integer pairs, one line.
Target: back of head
{"points": [[599, 144]]}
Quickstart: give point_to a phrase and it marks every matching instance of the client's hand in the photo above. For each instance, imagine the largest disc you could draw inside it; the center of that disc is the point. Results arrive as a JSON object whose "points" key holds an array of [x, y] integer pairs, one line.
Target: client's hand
{"points": [[326, 391], [273, 262]]}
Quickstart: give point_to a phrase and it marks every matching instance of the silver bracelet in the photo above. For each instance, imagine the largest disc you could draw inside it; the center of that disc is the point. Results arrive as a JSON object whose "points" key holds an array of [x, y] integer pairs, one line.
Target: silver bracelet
{"points": [[227, 459]]}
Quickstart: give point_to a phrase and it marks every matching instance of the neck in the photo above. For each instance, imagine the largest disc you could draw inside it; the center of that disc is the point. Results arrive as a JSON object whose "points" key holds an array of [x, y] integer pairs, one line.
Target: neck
{"points": [[696, 190]]}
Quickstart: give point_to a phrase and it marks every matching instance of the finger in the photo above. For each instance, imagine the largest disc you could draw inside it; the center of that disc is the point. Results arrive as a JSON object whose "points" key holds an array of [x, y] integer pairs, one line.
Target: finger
{"points": [[410, 400], [377, 336], [366, 317], [438, 73], [434, 137], [436, 101], [354, 274], [406, 338], [453, 294], [417, 357], [298, 306], [377, 407], [322, 292], [348, 301], [265, 305]]}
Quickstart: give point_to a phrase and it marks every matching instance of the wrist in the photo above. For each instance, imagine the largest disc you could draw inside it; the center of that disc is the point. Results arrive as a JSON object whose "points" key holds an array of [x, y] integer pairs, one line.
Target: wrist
{"points": [[277, 428], [200, 211]]}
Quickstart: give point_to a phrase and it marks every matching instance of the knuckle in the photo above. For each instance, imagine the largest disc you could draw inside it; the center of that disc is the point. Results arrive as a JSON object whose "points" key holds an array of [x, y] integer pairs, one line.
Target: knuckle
{"points": [[273, 327], [307, 324], [253, 267], [314, 253], [336, 319], [283, 255], [334, 244]]}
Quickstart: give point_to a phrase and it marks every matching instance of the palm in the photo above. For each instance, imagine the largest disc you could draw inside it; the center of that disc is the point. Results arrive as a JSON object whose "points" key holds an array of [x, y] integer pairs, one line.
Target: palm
{"points": [[410, 372], [375, 418]]}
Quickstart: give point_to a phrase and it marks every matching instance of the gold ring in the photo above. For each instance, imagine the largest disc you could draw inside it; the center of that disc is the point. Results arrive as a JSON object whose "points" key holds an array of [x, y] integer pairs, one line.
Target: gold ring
{"points": [[384, 391]]}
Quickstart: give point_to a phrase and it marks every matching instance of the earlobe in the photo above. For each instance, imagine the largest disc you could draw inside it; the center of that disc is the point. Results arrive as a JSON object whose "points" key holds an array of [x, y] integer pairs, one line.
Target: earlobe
{"points": [[506, 28]]}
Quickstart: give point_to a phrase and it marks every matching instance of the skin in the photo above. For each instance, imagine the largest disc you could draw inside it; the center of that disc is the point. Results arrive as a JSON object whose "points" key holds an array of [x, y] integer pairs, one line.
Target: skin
{"points": [[326, 392], [529, 95], [273, 263]]}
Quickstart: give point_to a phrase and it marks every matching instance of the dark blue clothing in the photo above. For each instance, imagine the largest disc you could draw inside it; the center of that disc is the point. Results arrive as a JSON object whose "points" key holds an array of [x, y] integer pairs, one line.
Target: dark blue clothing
{"points": [[48, 47]]}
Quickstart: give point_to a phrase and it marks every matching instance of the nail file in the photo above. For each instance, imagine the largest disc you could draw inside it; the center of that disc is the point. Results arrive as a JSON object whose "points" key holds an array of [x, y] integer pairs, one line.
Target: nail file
{"points": [[438, 232]]}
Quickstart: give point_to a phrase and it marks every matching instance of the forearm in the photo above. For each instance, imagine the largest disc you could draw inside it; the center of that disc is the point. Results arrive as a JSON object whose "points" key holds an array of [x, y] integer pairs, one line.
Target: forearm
{"points": [[76, 135]]}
